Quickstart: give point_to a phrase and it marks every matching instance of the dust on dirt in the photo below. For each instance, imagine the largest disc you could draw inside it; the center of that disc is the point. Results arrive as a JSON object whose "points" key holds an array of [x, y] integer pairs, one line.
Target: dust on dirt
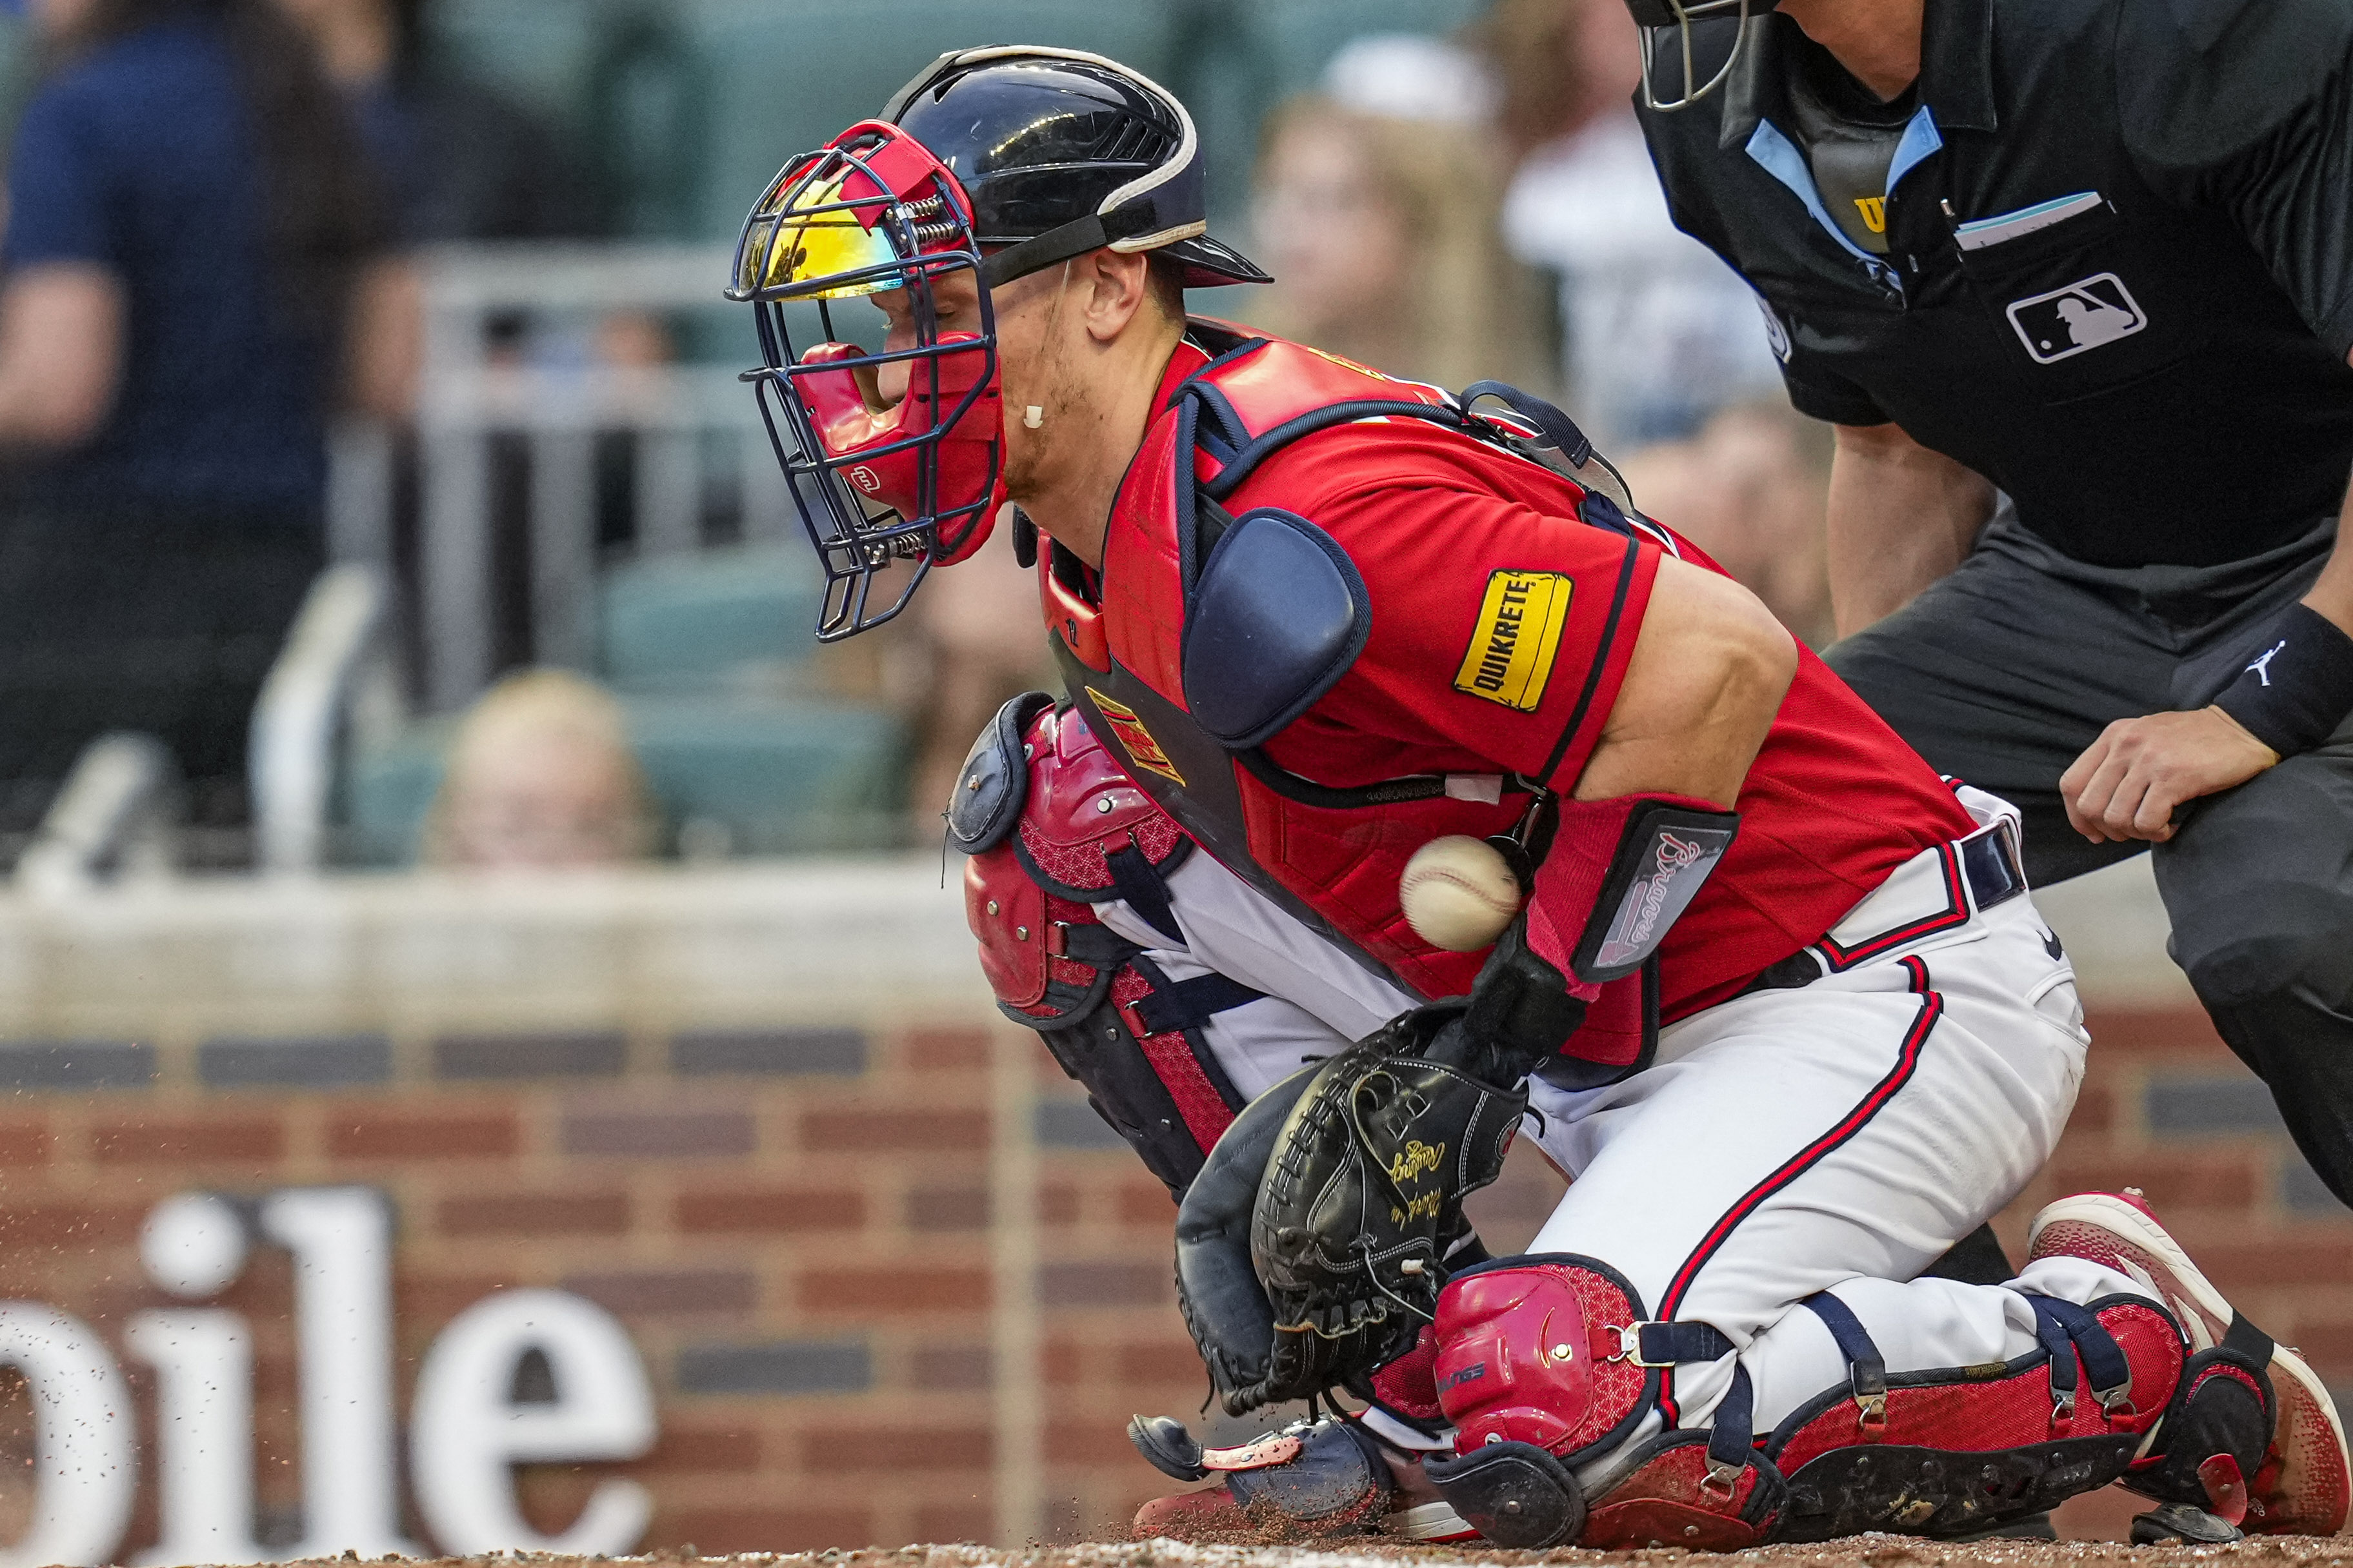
{"points": [[1861, 1552]]}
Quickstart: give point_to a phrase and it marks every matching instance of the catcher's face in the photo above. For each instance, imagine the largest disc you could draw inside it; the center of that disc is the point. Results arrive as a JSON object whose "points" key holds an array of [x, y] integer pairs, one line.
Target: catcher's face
{"points": [[1030, 362]]}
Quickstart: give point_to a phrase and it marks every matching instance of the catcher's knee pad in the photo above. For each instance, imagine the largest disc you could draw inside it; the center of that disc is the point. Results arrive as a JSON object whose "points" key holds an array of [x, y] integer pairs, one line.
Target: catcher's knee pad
{"points": [[1531, 1350], [1545, 1362], [1956, 1450], [1053, 827]]}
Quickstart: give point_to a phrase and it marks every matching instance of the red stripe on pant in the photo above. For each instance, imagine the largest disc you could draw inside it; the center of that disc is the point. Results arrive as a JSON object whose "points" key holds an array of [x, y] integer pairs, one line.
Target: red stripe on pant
{"points": [[1907, 1061]]}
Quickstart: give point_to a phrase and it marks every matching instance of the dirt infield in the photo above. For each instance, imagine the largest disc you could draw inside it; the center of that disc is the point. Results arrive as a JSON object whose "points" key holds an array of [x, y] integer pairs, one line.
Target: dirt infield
{"points": [[1862, 1551]]}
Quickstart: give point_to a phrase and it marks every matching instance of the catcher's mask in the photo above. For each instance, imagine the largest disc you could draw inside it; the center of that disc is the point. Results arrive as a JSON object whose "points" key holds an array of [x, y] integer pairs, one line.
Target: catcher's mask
{"points": [[998, 161], [1653, 17], [917, 480]]}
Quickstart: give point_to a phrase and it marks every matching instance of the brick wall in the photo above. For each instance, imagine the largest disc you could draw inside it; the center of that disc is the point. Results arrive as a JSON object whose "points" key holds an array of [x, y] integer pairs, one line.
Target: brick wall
{"points": [[791, 1211]]}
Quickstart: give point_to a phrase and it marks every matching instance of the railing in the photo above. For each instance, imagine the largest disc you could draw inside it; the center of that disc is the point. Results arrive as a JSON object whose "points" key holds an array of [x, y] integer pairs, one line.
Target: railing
{"points": [[331, 678], [698, 447]]}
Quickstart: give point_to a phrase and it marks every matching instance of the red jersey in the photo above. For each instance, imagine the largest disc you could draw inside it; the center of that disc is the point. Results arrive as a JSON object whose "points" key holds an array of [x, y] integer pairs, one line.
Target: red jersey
{"points": [[1501, 628]]}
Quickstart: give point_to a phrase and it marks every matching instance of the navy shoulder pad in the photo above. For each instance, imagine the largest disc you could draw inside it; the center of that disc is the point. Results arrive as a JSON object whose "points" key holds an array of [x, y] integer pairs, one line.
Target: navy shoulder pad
{"points": [[994, 783], [1278, 616]]}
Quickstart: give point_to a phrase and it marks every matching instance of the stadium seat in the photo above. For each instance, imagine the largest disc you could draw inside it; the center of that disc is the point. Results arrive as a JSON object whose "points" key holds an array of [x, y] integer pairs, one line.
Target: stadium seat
{"points": [[543, 51], [785, 778], [17, 65], [781, 76], [741, 777], [713, 620], [709, 653]]}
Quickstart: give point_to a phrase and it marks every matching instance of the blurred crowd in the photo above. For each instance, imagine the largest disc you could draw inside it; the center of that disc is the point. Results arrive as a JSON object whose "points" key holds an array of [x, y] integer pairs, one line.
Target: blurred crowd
{"points": [[1462, 209], [184, 312], [209, 203]]}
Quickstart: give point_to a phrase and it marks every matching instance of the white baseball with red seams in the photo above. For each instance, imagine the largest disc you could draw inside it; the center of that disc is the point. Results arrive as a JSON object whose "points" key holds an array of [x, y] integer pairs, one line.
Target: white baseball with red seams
{"points": [[1839, 1136], [1457, 894]]}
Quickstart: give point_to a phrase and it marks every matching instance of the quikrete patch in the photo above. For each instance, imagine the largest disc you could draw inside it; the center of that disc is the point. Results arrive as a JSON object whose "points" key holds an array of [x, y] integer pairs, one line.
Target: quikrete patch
{"points": [[1511, 653]]}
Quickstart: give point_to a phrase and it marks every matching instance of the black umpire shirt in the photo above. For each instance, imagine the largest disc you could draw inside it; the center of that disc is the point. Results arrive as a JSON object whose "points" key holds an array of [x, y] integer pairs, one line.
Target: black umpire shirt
{"points": [[2118, 271]]}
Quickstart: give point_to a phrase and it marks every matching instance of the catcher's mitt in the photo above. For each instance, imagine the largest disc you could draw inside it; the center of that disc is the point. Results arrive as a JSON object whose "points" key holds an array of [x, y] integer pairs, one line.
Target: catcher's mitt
{"points": [[1363, 1197], [1225, 1309]]}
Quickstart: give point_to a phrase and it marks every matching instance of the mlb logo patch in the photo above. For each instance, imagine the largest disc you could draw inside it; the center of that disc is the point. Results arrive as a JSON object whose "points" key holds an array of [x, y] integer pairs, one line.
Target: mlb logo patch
{"points": [[2077, 319]]}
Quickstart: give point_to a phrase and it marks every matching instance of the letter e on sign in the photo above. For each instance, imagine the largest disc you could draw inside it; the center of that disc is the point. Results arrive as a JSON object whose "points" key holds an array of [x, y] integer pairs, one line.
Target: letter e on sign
{"points": [[466, 1433]]}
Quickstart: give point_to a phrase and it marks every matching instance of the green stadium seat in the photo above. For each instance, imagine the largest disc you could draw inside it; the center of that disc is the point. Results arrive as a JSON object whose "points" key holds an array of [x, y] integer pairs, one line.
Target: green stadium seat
{"points": [[711, 620], [772, 778], [789, 778], [17, 64], [782, 76], [545, 52], [705, 650]]}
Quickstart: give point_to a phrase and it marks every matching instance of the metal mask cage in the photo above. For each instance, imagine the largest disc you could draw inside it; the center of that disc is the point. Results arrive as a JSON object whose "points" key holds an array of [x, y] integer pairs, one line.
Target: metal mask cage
{"points": [[858, 540], [1680, 16]]}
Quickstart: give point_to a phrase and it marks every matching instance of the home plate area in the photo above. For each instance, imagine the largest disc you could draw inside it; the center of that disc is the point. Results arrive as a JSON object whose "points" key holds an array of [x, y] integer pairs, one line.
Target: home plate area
{"points": [[1866, 1551]]}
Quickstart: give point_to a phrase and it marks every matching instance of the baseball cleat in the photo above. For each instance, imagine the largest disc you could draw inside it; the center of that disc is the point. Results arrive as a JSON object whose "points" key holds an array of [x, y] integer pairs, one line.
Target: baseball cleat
{"points": [[2304, 1484], [1434, 1523], [1309, 1482]]}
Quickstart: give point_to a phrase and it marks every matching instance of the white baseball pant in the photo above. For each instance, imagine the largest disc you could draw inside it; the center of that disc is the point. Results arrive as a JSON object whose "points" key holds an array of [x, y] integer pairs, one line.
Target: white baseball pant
{"points": [[1838, 1136]]}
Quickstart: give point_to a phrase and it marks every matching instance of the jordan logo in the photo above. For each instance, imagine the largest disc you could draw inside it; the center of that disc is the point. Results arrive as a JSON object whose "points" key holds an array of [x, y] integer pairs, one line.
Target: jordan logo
{"points": [[2075, 319], [2262, 667]]}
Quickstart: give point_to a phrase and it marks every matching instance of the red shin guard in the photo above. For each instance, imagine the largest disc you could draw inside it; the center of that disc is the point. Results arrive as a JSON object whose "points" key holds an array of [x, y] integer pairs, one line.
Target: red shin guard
{"points": [[1956, 1450]]}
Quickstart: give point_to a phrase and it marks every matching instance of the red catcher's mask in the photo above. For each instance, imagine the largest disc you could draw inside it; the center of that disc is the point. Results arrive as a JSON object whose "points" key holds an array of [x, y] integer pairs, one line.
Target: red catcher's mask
{"points": [[918, 481]]}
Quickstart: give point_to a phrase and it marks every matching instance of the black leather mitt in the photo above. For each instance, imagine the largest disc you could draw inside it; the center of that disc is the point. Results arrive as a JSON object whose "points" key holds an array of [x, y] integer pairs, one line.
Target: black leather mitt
{"points": [[1225, 1309], [1364, 1195]]}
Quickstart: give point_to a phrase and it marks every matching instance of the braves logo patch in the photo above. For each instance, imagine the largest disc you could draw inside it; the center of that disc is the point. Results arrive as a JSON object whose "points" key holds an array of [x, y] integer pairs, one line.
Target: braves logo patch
{"points": [[1668, 875], [1513, 646], [1141, 749]]}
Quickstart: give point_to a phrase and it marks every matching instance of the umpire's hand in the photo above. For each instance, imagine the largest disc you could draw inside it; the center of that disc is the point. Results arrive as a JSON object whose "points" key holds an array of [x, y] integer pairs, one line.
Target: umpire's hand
{"points": [[2129, 781]]}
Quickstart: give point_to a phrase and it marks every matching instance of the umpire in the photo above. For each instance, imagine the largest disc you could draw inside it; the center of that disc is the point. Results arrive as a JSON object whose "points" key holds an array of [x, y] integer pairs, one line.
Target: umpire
{"points": [[2074, 279]]}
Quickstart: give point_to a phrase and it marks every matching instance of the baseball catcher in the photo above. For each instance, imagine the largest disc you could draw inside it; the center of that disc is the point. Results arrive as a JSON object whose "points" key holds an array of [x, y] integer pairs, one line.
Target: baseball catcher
{"points": [[1774, 994]]}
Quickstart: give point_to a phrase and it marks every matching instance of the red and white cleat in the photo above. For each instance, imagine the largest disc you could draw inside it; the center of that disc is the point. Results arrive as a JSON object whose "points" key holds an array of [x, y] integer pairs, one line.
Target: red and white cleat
{"points": [[1432, 1524], [2305, 1484]]}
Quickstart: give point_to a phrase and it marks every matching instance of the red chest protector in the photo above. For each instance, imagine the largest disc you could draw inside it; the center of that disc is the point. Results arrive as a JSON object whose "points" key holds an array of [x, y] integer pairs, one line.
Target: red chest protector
{"points": [[1216, 632]]}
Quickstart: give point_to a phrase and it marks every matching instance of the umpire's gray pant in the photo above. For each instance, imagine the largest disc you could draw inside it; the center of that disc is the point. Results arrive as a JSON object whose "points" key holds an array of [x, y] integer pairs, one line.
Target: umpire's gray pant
{"points": [[2005, 671]]}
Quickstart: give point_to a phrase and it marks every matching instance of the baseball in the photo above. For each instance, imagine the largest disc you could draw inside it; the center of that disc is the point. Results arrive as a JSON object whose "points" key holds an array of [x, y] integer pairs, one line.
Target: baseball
{"points": [[1457, 894]]}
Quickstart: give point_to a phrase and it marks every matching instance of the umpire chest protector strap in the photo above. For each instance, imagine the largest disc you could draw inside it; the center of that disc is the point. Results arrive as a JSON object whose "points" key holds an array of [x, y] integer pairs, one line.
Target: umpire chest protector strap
{"points": [[1216, 631]]}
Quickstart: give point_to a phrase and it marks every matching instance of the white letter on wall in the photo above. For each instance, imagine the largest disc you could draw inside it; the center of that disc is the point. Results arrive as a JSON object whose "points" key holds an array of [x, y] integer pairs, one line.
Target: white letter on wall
{"points": [[465, 1431], [342, 1242], [84, 1444], [203, 1430]]}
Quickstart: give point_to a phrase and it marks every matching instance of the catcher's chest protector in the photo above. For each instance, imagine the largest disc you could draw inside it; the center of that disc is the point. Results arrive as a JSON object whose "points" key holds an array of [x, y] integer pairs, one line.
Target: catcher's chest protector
{"points": [[1216, 632]]}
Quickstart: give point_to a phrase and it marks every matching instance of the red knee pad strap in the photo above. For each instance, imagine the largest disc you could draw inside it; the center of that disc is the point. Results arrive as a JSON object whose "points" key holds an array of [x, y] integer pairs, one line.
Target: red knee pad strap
{"points": [[1532, 1350]]}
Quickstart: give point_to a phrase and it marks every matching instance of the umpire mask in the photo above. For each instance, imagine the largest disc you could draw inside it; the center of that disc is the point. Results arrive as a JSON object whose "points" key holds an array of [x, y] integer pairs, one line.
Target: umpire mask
{"points": [[1657, 17]]}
